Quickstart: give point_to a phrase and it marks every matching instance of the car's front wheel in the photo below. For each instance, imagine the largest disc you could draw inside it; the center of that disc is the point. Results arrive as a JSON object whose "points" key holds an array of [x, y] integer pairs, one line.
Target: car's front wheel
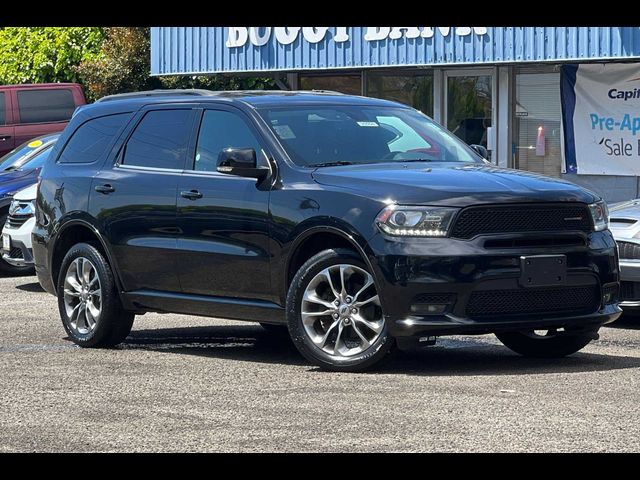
{"points": [[546, 343], [88, 299], [334, 313]]}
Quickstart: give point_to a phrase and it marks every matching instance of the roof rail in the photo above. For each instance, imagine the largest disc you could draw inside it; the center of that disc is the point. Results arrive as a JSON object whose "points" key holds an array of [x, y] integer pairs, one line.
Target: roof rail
{"points": [[326, 91], [155, 93]]}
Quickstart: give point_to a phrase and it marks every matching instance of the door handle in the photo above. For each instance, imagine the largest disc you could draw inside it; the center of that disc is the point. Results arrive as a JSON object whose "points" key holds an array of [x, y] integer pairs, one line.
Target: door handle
{"points": [[106, 189], [4, 138], [191, 194]]}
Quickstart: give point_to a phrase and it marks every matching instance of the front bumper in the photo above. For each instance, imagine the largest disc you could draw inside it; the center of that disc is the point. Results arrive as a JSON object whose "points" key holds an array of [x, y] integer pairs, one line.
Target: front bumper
{"points": [[450, 324], [20, 254], [630, 275], [451, 269]]}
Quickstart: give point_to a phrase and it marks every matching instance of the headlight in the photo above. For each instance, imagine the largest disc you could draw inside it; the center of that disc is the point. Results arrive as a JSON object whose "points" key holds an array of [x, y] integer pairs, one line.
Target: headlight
{"points": [[600, 215], [407, 221]]}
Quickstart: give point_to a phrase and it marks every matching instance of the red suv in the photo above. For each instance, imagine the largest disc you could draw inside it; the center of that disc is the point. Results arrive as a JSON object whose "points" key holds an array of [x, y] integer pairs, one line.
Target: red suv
{"points": [[28, 111]]}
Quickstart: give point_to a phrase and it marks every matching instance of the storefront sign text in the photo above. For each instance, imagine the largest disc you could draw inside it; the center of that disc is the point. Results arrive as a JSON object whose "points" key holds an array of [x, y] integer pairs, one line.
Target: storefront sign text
{"points": [[259, 36]]}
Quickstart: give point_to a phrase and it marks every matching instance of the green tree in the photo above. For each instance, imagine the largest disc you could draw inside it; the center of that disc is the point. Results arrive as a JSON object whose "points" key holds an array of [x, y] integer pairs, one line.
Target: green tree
{"points": [[123, 65], [46, 54], [218, 82]]}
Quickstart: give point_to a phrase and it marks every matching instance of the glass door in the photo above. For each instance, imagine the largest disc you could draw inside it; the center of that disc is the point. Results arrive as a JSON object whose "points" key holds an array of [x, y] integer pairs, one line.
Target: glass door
{"points": [[470, 106]]}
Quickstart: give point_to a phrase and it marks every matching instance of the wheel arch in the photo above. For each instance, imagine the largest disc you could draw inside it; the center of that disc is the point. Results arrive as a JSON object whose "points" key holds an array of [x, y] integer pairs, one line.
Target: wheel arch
{"points": [[313, 240], [77, 231]]}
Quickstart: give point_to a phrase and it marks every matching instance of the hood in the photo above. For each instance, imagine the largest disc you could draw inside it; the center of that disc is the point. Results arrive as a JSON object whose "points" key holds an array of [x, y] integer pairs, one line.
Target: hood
{"points": [[27, 194], [11, 182], [13, 175], [450, 184], [624, 219]]}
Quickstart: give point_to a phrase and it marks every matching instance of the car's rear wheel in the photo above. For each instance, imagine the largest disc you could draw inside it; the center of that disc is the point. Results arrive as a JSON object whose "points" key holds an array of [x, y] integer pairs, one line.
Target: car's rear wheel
{"points": [[334, 313], [88, 299], [6, 267], [546, 343]]}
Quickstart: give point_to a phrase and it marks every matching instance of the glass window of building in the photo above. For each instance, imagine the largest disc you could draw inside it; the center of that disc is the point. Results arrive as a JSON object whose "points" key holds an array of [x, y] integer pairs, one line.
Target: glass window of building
{"points": [[349, 84], [415, 90], [470, 107], [538, 123]]}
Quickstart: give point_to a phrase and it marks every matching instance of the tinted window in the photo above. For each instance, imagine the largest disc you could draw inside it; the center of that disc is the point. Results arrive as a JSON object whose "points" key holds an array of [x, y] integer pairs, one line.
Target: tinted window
{"points": [[92, 138], [221, 130], [39, 106], [2, 109], [160, 140]]}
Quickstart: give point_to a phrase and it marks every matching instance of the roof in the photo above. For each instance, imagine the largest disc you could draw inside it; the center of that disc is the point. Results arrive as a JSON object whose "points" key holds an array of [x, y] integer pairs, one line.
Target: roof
{"points": [[39, 85], [256, 98]]}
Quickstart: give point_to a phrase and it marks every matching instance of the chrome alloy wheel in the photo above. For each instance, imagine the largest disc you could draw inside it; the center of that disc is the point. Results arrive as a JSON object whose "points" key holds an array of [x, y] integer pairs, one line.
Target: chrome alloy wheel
{"points": [[82, 296], [341, 311]]}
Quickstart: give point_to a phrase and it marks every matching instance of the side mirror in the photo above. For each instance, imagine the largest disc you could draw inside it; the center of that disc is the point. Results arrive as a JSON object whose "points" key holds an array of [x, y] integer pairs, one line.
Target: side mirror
{"points": [[480, 150], [241, 162]]}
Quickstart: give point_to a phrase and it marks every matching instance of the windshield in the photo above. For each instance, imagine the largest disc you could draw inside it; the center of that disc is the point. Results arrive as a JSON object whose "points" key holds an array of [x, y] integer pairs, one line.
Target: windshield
{"points": [[349, 134], [38, 159], [21, 155]]}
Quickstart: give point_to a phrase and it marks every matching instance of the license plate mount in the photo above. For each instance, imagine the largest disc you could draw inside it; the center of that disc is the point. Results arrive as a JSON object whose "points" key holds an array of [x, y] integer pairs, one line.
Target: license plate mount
{"points": [[543, 270], [6, 242]]}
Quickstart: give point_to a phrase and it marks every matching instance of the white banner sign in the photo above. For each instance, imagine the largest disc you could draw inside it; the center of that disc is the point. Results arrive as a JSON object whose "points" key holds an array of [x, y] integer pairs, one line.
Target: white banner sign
{"points": [[601, 119]]}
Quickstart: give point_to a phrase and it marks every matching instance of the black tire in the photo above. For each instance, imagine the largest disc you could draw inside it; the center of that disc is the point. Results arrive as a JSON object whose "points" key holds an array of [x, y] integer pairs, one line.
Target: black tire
{"points": [[538, 346], [379, 349], [115, 323], [275, 329], [4, 266]]}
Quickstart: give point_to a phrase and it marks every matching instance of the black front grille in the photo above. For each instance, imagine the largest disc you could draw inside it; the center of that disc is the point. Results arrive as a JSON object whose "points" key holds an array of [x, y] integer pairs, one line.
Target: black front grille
{"points": [[541, 301], [629, 251], [629, 291], [474, 221], [15, 253], [16, 221], [437, 298]]}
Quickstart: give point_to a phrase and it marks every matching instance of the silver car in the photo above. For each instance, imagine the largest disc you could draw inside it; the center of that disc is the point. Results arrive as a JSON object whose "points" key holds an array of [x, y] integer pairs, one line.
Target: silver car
{"points": [[625, 225]]}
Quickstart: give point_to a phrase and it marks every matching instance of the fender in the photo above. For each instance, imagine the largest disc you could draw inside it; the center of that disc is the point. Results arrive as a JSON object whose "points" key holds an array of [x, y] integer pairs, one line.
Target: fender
{"points": [[342, 229], [105, 245]]}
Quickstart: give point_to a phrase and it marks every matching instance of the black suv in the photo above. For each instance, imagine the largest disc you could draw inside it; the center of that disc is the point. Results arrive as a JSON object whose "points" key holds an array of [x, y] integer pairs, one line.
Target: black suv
{"points": [[359, 224]]}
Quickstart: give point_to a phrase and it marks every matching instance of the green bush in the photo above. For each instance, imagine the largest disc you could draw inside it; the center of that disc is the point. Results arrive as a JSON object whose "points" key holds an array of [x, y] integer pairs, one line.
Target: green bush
{"points": [[46, 54]]}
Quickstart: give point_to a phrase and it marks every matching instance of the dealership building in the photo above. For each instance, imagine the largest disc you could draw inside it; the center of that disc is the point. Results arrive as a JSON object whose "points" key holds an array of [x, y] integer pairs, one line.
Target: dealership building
{"points": [[561, 101]]}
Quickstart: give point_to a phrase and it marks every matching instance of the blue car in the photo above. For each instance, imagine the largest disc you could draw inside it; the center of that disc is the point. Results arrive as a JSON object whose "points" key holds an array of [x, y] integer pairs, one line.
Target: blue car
{"points": [[18, 169]]}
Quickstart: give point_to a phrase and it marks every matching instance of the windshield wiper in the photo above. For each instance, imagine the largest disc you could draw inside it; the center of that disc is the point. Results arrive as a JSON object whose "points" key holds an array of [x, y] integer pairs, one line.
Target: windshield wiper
{"points": [[331, 164]]}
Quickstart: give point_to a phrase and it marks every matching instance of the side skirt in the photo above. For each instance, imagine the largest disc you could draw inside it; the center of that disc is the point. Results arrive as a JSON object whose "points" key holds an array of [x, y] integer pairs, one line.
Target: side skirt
{"points": [[208, 306]]}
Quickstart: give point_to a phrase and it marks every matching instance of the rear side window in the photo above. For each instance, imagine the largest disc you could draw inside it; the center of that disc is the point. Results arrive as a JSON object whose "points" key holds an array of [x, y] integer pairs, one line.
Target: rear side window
{"points": [[160, 140], [45, 105], [3, 109], [92, 138]]}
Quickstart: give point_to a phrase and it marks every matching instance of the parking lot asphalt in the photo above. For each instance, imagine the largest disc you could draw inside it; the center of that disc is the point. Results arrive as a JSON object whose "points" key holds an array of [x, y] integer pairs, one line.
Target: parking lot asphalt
{"points": [[183, 383]]}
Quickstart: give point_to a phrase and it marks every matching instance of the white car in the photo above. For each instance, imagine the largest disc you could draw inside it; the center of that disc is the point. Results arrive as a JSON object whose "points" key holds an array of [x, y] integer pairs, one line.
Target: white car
{"points": [[16, 234], [624, 223]]}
